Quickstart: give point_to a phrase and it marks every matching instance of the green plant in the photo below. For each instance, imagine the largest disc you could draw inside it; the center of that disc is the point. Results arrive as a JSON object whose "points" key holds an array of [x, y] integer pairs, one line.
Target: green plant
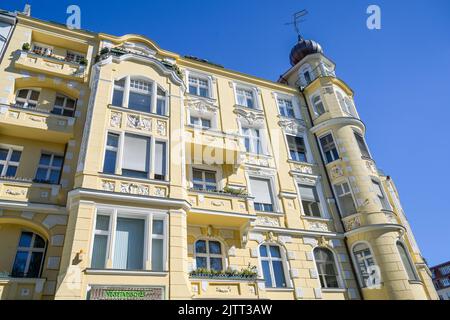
{"points": [[233, 191], [83, 62], [26, 46], [246, 273], [104, 51]]}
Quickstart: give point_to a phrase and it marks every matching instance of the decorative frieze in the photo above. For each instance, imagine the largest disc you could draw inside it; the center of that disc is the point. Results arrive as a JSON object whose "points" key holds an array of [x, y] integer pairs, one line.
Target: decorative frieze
{"points": [[116, 119], [267, 221], [109, 186], [133, 188], [161, 127], [352, 223]]}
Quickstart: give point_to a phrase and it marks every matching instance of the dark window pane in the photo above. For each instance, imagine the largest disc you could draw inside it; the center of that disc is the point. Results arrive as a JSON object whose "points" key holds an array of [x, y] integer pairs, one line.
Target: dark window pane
{"points": [[201, 263], [280, 279], [216, 264], [16, 156], [38, 242], [200, 246], [22, 94], [3, 154], [102, 223], [113, 140], [57, 161], [139, 102], [99, 251], [11, 171], [54, 176], [117, 98], [110, 162], [263, 251], [25, 240], [134, 173], [45, 159], [158, 227], [214, 247], [275, 252], [35, 265], [41, 174], [203, 92], [266, 273], [19, 264]]}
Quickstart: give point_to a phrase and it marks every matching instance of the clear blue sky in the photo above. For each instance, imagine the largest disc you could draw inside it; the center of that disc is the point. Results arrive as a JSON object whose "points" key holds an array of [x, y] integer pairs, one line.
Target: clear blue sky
{"points": [[401, 74]]}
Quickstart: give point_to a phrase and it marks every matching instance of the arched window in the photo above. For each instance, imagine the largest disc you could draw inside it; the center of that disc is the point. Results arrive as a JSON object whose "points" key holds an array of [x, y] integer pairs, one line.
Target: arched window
{"points": [[346, 104], [273, 266], [364, 263], [306, 74], [139, 94], [29, 256], [27, 98], [209, 255], [326, 267], [318, 106], [407, 263]]}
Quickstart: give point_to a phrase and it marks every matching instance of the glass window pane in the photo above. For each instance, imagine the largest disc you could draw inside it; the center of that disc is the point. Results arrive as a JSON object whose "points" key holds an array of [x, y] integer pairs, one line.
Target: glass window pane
{"points": [[201, 263], [57, 161], [275, 252], [197, 175], [266, 273], [11, 171], [110, 162], [158, 227], [112, 140], [99, 251], [203, 92], [35, 265], [3, 154], [34, 95], [102, 223], [54, 176], [280, 279], [16, 156], [45, 159], [129, 244], [215, 247], [117, 98], [22, 94], [331, 282], [210, 177], [139, 102], [20, 264], [216, 264], [25, 240], [263, 251], [41, 175], [157, 255], [200, 246], [39, 242]]}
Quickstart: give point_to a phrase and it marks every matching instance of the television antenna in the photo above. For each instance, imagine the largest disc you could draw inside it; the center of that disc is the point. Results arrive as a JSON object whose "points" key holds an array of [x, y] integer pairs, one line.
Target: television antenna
{"points": [[297, 18]]}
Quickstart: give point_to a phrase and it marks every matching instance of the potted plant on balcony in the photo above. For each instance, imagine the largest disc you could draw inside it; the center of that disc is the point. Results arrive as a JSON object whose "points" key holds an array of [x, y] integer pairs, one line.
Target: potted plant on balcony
{"points": [[235, 191], [26, 47]]}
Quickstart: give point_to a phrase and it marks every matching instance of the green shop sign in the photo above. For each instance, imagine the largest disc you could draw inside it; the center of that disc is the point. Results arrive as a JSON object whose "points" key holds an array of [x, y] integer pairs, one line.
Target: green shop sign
{"points": [[128, 293]]}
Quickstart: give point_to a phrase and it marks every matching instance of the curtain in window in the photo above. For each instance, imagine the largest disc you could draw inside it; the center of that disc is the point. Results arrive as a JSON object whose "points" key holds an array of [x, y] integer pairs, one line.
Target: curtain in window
{"points": [[129, 244]]}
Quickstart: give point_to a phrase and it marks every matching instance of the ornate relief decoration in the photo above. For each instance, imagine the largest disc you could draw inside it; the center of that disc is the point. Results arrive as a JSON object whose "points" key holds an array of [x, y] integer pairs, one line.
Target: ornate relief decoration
{"points": [[336, 172], [255, 160], [138, 48], [267, 221], [133, 188], [352, 223], [160, 192], [223, 290], [318, 226], [217, 203], [15, 193], [116, 119], [293, 126], [251, 117], [161, 128], [301, 168], [306, 180], [108, 185], [138, 122], [201, 106]]}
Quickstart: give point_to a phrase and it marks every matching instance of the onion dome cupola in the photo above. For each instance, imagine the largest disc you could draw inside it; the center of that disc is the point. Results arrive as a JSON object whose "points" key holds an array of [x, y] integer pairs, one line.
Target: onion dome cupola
{"points": [[302, 49]]}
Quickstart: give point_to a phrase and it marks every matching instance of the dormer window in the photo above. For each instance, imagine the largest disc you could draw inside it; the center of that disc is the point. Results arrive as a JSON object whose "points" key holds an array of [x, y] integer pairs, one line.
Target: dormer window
{"points": [[199, 86]]}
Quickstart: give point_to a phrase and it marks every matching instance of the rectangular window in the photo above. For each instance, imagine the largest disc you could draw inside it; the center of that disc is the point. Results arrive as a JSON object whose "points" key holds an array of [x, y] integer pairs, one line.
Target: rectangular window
{"points": [[381, 196], [245, 97], [49, 169], [118, 94], [310, 201], [362, 145], [9, 162], [27, 98], [286, 108], [252, 140], [136, 156], [445, 270], [345, 199], [199, 86], [204, 180], [127, 234], [262, 192], [64, 106], [161, 102], [112, 148], [329, 148], [42, 50], [200, 122], [160, 161], [74, 57], [140, 96], [297, 148], [318, 106]]}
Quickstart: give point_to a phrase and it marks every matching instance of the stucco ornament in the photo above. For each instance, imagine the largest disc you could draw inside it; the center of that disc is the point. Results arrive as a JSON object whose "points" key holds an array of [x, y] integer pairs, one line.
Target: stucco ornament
{"points": [[116, 119]]}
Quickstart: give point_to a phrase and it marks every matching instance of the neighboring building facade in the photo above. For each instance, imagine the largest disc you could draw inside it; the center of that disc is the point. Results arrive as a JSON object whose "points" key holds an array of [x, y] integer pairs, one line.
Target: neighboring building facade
{"points": [[441, 280], [7, 23], [130, 172]]}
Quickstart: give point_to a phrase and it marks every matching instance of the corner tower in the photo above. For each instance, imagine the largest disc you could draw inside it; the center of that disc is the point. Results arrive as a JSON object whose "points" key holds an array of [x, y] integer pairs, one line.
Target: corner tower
{"points": [[385, 256]]}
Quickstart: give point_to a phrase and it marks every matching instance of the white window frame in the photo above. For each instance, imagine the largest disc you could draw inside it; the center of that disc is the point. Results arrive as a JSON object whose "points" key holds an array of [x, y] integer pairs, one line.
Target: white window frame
{"points": [[294, 101], [203, 76], [384, 202], [269, 259], [30, 250], [64, 106], [302, 70], [209, 255], [26, 101], [362, 283], [204, 169], [6, 163], [272, 180], [308, 154], [45, 50], [133, 213], [50, 167], [336, 265], [253, 90], [127, 89], [335, 145], [119, 159], [314, 104], [340, 183], [253, 137]]}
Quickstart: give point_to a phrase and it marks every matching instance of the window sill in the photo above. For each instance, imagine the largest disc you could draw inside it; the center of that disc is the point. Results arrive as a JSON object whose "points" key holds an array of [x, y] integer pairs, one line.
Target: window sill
{"points": [[238, 106], [196, 96], [270, 213], [118, 108], [142, 180], [317, 218], [219, 193], [118, 272], [334, 290], [279, 289], [302, 163]]}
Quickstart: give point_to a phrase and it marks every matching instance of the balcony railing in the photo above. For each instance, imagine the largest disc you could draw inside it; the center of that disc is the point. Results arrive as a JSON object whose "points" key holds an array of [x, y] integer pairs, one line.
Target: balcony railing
{"points": [[319, 72]]}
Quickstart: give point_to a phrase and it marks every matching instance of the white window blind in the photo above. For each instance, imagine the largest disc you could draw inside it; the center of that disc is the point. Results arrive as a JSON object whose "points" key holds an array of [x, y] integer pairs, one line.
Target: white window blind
{"points": [[261, 190], [129, 246], [135, 153], [160, 158], [308, 193]]}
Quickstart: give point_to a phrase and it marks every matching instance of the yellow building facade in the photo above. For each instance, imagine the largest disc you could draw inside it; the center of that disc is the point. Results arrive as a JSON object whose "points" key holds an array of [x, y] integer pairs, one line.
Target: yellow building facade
{"points": [[131, 172]]}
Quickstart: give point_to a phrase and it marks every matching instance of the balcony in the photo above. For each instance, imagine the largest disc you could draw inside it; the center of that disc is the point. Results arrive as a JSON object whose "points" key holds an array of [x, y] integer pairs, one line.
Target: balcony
{"points": [[318, 72], [213, 147], [21, 288], [204, 288], [35, 124], [23, 190], [53, 66]]}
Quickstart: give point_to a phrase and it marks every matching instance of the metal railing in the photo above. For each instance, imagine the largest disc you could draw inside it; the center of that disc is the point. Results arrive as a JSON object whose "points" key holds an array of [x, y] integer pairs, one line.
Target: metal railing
{"points": [[318, 72]]}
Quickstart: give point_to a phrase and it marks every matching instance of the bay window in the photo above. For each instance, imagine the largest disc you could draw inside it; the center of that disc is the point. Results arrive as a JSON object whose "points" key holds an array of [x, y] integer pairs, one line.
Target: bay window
{"points": [[326, 268], [310, 201], [130, 240], [49, 169], [329, 148], [297, 148], [27, 98], [9, 161], [345, 199], [261, 190], [29, 256], [273, 266], [209, 255]]}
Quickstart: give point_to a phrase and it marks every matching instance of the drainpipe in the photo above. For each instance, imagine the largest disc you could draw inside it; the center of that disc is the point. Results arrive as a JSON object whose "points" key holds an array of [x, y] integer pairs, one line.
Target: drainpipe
{"points": [[334, 195]]}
